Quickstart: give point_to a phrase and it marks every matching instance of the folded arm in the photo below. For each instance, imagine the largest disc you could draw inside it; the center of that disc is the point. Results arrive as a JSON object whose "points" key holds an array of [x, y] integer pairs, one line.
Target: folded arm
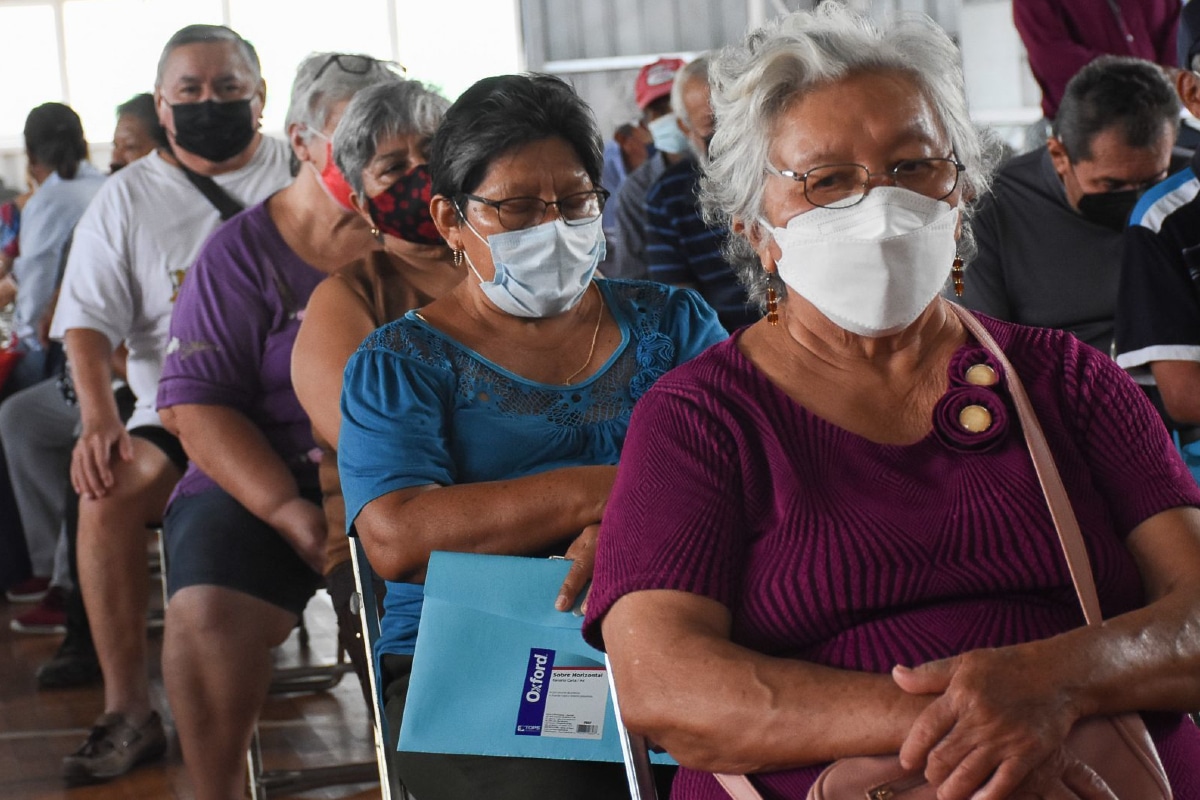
{"points": [[232, 450], [523, 515], [720, 707], [1001, 713]]}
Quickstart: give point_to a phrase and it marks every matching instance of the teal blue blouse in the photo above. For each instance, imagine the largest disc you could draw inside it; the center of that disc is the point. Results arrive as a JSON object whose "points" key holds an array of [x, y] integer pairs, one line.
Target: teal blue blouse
{"points": [[418, 408]]}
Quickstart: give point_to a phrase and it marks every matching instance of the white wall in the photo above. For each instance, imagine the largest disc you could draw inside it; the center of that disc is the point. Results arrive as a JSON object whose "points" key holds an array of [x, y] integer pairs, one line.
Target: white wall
{"points": [[1000, 87]]}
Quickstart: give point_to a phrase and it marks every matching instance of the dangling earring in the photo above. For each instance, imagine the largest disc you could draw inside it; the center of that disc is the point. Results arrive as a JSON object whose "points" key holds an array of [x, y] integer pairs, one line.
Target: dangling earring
{"points": [[956, 272], [772, 306], [458, 258]]}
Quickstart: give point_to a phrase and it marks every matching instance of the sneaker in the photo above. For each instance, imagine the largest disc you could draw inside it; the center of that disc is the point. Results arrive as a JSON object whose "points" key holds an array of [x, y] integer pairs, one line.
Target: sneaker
{"points": [[30, 590], [114, 747], [47, 617], [72, 666]]}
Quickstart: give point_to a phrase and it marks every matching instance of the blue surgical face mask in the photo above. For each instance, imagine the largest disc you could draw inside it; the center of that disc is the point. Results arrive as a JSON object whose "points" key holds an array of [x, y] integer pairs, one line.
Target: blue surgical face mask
{"points": [[544, 270], [668, 138]]}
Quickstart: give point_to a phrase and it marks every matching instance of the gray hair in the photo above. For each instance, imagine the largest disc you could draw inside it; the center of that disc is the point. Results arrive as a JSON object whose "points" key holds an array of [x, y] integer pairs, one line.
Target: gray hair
{"points": [[198, 34], [322, 82], [753, 83], [696, 69], [399, 107]]}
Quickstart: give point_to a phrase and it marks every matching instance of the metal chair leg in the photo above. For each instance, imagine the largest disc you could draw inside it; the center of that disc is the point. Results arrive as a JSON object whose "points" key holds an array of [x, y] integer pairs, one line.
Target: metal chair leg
{"points": [[264, 782]]}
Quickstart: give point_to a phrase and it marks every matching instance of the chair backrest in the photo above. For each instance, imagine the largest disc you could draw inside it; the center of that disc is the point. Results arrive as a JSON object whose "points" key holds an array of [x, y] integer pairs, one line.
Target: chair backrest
{"points": [[368, 611], [633, 748]]}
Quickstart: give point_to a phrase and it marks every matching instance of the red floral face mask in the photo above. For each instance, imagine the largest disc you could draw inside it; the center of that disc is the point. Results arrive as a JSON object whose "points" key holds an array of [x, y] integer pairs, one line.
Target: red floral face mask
{"points": [[402, 209]]}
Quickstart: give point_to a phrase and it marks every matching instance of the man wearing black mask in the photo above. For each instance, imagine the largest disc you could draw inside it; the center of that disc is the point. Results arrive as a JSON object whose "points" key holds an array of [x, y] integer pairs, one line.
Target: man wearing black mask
{"points": [[131, 250], [1158, 311], [1050, 232]]}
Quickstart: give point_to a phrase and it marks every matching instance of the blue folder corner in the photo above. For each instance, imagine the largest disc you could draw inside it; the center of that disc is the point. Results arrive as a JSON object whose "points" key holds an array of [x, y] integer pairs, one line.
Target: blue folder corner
{"points": [[498, 671]]}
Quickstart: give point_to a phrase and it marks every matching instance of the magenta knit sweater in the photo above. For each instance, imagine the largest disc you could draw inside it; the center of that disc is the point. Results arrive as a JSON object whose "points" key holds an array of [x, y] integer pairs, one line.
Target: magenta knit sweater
{"points": [[834, 549]]}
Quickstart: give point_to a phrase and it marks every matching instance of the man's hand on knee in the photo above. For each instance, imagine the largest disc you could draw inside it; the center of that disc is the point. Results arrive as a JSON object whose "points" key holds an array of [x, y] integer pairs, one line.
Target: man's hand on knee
{"points": [[95, 452]]}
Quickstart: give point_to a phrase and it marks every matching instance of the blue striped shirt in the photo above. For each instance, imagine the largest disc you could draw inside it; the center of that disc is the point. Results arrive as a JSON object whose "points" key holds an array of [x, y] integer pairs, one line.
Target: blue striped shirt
{"points": [[682, 250]]}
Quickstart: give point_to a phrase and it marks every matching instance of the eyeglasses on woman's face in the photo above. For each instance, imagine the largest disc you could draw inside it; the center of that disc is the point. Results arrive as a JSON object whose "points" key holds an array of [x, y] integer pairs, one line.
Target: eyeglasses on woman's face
{"points": [[517, 213], [355, 64], [845, 185]]}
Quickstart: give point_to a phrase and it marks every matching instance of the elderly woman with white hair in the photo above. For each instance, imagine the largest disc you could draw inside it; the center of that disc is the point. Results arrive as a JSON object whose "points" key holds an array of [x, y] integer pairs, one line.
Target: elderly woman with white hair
{"points": [[826, 537]]}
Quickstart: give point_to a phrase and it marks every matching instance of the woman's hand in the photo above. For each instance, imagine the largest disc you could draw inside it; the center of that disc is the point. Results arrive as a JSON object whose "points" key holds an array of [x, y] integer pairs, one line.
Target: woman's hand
{"points": [[998, 724], [582, 554], [302, 524]]}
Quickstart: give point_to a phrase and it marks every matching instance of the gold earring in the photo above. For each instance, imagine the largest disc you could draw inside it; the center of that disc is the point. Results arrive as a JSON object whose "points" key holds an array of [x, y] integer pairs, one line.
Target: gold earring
{"points": [[956, 273], [772, 306], [375, 231], [458, 258]]}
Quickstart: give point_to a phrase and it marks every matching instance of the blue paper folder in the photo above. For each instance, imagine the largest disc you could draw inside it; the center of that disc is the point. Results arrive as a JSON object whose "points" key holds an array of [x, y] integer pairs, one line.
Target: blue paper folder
{"points": [[498, 671]]}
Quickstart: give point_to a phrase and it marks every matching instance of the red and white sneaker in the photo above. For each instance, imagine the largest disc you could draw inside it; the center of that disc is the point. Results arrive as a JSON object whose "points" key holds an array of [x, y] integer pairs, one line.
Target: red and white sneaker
{"points": [[47, 617], [30, 590]]}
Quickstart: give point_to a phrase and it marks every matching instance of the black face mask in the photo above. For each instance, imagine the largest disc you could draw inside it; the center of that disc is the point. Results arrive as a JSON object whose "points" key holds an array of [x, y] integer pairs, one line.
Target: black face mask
{"points": [[1110, 209], [212, 130]]}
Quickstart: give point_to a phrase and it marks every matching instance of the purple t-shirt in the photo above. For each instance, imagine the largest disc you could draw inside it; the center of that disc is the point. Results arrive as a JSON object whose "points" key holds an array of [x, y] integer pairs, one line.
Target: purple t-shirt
{"points": [[831, 548], [232, 331]]}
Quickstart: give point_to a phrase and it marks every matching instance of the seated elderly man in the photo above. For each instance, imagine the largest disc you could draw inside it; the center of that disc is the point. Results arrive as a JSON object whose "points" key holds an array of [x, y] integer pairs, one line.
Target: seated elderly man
{"points": [[681, 248], [131, 250], [1050, 234], [1158, 307], [652, 91]]}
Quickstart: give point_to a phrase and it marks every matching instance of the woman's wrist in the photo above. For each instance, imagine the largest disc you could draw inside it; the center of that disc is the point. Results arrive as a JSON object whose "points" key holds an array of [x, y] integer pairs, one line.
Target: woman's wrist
{"points": [[598, 487]]}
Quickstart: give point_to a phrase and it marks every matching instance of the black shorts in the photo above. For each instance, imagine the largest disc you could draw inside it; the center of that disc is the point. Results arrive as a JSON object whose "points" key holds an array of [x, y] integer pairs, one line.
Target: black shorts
{"points": [[212, 540], [166, 441]]}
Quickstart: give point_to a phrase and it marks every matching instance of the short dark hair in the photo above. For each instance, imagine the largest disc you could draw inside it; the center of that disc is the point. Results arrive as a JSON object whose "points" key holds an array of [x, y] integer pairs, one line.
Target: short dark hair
{"points": [[141, 108], [1129, 93], [497, 115], [54, 138]]}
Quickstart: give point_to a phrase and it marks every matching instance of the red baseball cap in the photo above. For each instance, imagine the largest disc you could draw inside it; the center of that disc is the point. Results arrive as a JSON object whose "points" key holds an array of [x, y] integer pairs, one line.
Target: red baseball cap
{"points": [[654, 80]]}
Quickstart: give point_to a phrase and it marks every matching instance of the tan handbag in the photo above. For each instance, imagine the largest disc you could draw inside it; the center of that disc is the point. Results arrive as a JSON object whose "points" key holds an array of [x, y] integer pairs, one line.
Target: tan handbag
{"points": [[1117, 748]]}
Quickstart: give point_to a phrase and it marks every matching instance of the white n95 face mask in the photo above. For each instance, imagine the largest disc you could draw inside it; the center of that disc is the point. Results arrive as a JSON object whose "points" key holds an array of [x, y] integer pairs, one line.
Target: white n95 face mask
{"points": [[544, 270], [874, 267]]}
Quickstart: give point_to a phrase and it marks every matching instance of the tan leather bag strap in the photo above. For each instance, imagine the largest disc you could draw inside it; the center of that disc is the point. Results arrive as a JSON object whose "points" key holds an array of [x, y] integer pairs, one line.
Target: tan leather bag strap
{"points": [[1061, 511], [738, 787]]}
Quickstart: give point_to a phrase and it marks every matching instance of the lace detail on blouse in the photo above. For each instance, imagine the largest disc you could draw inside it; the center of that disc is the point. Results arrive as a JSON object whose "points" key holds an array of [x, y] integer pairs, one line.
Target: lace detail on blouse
{"points": [[638, 309]]}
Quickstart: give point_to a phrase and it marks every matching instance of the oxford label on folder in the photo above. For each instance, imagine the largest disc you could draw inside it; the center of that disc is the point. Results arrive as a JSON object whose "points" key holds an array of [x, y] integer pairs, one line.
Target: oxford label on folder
{"points": [[564, 702]]}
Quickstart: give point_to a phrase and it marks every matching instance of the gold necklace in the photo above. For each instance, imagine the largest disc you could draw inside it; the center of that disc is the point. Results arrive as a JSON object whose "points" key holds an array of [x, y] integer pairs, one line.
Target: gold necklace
{"points": [[595, 336]]}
